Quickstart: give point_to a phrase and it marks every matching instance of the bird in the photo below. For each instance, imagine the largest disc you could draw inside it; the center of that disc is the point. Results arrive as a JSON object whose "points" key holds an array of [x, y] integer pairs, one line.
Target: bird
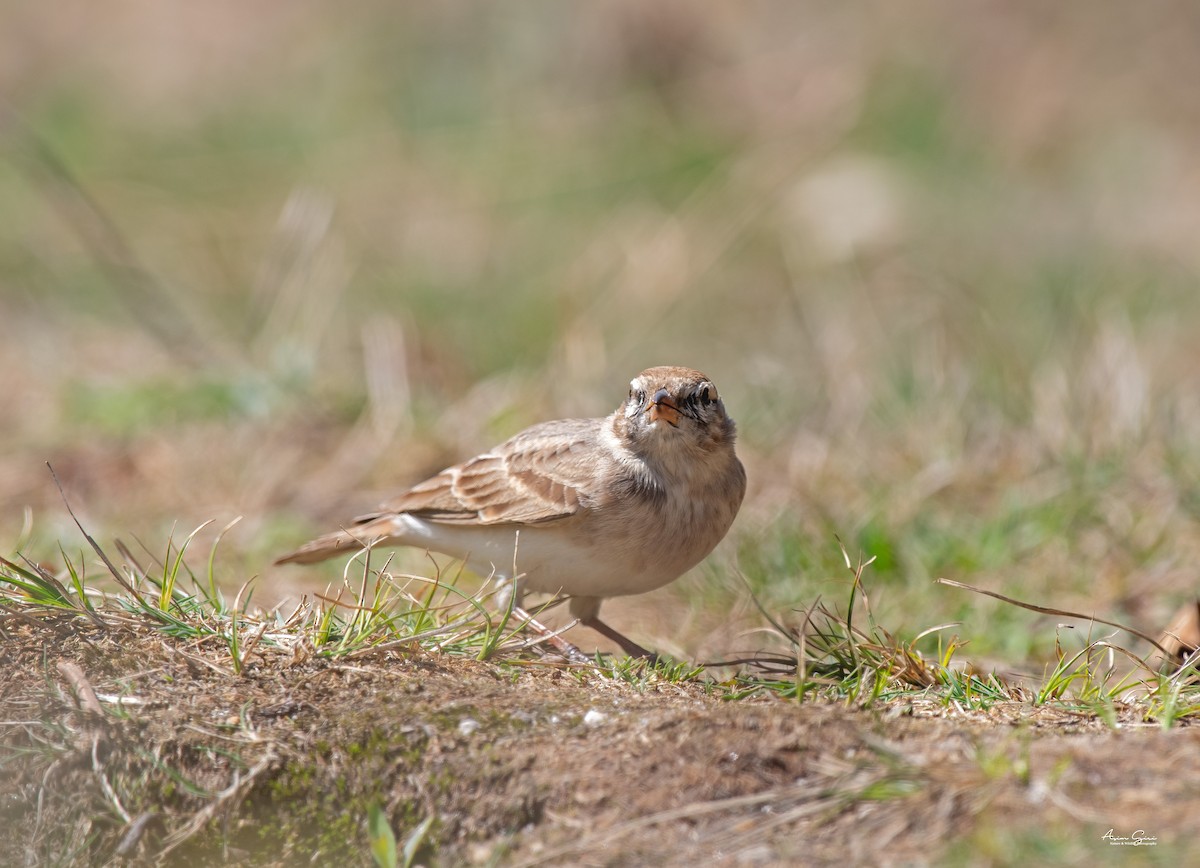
{"points": [[587, 508]]}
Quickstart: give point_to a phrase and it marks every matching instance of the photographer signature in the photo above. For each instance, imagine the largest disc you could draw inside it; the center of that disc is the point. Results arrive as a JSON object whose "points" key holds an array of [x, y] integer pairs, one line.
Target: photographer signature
{"points": [[1137, 839]]}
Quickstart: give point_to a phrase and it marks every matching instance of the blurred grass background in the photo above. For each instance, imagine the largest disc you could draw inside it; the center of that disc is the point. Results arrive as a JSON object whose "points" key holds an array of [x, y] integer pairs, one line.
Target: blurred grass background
{"points": [[277, 260]]}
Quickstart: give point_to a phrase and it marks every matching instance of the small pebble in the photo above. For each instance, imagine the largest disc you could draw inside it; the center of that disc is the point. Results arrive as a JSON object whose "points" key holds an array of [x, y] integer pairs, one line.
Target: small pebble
{"points": [[467, 726], [758, 855], [594, 718]]}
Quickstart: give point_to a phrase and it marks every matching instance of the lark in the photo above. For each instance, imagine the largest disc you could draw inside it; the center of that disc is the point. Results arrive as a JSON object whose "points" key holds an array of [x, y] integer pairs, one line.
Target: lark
{"points": [[588, 508]]}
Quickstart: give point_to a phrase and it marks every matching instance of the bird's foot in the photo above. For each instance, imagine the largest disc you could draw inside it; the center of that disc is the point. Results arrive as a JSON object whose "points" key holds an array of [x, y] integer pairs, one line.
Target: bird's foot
{"points": [[552, 637], [633, 649]]}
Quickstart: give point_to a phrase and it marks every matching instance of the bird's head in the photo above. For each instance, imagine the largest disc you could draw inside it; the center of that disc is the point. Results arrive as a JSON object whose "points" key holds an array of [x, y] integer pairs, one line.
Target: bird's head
{"points": [[671, 408]]}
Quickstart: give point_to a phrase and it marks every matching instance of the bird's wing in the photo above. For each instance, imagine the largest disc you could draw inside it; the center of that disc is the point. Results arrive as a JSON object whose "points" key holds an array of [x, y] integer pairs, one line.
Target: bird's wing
{"points": [[546, 473]]}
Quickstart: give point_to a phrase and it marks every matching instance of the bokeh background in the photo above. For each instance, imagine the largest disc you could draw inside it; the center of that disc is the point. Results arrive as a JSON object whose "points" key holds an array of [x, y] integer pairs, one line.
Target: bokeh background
{"points": [[277, 259]]}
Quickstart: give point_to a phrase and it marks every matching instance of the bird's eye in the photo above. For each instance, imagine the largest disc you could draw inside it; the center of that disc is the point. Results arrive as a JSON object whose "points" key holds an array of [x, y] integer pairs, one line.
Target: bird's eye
{"points": [[707, 395]]}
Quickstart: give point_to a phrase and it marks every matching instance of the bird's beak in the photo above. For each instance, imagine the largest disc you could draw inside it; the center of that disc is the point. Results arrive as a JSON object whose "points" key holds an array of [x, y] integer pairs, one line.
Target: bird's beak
{"points": [[662, 408]]}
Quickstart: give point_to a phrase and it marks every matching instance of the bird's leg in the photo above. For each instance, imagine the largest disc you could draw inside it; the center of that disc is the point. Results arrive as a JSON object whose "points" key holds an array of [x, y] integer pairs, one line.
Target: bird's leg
{"points": [[633, 649], [511, 597], [573, 654]]}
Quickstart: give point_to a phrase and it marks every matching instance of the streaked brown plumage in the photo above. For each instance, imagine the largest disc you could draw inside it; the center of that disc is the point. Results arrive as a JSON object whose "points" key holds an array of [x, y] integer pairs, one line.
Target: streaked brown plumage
{"points": [[592, 508]]}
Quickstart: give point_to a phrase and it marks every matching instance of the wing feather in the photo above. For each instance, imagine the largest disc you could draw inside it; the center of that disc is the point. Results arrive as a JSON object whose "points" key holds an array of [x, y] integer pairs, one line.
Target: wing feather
{"points": [[546, 473]]}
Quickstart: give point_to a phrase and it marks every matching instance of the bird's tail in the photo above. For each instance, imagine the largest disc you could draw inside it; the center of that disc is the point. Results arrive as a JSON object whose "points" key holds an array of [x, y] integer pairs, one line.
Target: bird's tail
{"points": [[366, 532]]}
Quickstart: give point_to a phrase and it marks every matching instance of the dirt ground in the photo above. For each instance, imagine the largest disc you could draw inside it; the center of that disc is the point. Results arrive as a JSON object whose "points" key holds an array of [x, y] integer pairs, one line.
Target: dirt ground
{"points": [[537, 764]]}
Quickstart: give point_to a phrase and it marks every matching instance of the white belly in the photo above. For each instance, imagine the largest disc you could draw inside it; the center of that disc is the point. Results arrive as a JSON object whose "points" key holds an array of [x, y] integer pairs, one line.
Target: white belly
{"points": [[543, 558]]}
